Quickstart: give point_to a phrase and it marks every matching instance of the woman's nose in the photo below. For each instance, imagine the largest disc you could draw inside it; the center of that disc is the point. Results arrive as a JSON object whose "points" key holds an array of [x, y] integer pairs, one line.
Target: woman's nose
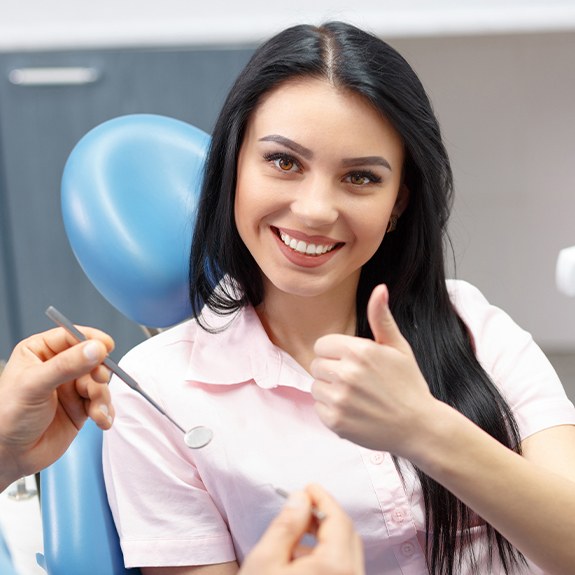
{"points": [[315, 203]]}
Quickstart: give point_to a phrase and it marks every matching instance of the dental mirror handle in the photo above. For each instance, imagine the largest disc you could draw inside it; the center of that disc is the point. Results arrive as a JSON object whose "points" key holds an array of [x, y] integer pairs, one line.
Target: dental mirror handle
{"points": [[60, 319]]}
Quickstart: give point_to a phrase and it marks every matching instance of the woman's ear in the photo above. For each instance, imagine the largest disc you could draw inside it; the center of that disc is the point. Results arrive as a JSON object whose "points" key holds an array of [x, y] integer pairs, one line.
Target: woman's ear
{"points": [[401, 201]]}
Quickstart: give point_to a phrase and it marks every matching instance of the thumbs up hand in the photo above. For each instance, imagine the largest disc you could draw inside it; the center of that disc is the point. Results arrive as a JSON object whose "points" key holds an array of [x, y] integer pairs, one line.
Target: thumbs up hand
{"points": [[372, 392]]}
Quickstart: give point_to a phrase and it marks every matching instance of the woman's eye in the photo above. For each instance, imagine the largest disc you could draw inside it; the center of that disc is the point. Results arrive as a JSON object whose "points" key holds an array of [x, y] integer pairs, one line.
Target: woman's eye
{"points": [[283, 162], [362, 178]]}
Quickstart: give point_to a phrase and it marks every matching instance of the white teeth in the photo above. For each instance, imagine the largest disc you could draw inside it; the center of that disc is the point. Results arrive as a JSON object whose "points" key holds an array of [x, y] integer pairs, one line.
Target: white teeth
{"points": [[301, 247], [304, 248]]}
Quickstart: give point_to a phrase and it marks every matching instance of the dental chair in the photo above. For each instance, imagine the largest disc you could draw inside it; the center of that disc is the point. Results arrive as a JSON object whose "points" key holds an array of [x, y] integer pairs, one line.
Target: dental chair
{"points": [[129, 191]]}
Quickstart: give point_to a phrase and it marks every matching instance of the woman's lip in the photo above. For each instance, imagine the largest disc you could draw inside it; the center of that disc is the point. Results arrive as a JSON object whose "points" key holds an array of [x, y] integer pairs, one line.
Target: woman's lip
{"points": [[295, 234]]}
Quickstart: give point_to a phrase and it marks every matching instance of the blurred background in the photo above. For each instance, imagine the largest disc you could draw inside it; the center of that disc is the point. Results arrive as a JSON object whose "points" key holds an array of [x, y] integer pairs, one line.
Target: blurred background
{"points": [[501, 75]]}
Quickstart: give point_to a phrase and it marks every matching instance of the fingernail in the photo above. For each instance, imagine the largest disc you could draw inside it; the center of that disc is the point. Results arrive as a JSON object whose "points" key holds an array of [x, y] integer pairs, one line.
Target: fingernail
{"points": [[92, 351], [104, 409]]}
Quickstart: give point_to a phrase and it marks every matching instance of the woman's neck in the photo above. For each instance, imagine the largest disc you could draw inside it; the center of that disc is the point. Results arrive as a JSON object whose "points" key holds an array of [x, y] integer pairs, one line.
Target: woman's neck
{"points": [[294, 323]]}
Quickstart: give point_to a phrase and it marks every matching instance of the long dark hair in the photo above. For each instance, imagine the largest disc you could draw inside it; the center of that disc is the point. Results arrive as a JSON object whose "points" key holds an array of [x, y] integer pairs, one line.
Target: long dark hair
{"points": [[410, 260]]}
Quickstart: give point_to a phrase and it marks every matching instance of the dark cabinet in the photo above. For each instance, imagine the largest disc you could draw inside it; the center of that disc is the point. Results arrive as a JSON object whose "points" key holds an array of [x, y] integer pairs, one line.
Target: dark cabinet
{"points": [[48, 101], [7, 318]]}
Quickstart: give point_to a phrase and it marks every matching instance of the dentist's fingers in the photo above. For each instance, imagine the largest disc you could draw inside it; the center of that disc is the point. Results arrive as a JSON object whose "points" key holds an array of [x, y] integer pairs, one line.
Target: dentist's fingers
{"points": [[278, 545], [337, 539]]}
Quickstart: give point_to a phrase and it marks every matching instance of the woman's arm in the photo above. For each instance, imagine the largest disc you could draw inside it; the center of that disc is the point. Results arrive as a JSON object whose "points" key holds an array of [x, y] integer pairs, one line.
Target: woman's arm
{"points": [[338, 547], [374, 394], [529, 499]]}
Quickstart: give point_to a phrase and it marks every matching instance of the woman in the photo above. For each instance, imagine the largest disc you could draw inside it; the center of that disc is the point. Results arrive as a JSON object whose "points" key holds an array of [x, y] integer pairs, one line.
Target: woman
{"points": [[326, 178]]}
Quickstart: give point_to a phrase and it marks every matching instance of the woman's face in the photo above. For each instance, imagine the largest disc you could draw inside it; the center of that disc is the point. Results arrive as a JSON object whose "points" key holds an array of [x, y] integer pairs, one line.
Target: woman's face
{"points": [[319, 174]]}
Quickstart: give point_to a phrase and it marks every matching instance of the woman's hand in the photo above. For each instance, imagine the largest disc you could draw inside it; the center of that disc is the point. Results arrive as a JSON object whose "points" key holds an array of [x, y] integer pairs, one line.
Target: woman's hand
{"points": [[372, 392]]}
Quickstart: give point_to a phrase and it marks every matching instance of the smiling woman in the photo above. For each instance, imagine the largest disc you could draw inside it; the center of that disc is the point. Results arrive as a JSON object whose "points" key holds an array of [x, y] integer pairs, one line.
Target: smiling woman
{"points": [[327, 177], [311, 207]]}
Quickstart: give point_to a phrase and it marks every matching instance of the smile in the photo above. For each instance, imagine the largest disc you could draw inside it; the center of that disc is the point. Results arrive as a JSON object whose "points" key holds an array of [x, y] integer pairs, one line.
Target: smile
{"points": [[305, 248]]}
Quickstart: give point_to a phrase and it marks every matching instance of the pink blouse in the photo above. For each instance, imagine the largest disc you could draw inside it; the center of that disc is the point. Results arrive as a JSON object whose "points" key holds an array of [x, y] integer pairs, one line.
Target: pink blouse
{"points": [[176, 506]]}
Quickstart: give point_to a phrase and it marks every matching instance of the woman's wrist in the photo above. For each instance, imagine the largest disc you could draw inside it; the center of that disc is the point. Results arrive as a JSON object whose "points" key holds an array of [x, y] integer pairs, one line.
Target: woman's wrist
{"points": [[435, 443]]}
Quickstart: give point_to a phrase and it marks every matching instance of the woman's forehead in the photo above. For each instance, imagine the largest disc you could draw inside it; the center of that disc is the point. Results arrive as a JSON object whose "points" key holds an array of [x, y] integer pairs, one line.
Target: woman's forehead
{"points": [[314, 110]]}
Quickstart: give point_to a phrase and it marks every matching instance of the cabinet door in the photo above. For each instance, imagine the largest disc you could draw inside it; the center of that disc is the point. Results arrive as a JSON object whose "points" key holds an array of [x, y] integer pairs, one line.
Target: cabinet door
{"points": [[7, 317], [41, 122]]}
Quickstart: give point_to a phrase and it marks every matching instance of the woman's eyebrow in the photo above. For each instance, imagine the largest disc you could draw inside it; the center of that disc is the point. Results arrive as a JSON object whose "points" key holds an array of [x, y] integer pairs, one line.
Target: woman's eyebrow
{"points": [[298, 148], [308, 154], [366, 161]]}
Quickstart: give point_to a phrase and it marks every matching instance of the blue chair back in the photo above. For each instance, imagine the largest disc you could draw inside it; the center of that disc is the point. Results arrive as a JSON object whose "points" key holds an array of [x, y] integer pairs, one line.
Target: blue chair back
{"points": [[129, 193]]}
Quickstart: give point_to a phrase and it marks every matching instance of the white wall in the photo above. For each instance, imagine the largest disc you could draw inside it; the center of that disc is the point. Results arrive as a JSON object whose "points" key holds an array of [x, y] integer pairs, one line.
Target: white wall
{"points": [[506, 105], [505, 102]]}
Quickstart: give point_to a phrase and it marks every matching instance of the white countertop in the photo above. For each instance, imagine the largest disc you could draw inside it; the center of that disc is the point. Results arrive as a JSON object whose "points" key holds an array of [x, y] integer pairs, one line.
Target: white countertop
{"points": [[67, 24]]}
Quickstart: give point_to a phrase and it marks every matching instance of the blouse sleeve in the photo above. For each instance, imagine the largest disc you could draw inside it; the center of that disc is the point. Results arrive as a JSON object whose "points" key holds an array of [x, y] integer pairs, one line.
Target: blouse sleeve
{"points": [[514, 361], [163, 513]]}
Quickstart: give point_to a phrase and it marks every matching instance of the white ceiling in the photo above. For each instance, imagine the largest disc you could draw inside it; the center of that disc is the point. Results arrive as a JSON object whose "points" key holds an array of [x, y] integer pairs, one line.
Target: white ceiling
{"points": [[33, 24]]}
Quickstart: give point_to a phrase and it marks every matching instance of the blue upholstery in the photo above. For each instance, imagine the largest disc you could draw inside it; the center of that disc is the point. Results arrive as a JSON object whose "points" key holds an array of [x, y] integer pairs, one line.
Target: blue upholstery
{"points": [[128, 197], [79, 532], [129, 194]]}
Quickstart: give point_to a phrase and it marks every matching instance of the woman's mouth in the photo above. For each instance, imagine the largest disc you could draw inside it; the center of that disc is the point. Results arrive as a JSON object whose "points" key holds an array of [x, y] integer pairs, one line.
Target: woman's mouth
{"points": [[306, 248]]}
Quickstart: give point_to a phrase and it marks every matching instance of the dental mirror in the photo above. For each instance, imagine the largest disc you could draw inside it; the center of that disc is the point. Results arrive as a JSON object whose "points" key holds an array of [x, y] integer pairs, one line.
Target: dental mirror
{"points": [[195, 438]]}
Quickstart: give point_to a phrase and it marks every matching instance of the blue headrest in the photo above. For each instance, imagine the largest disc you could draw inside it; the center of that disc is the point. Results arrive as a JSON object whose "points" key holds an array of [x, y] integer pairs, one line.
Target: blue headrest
{"points": [[129, 194]]}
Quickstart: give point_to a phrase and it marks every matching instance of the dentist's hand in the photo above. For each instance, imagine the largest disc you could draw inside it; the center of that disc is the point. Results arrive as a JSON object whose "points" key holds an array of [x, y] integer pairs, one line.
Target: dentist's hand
{"points": [[338, 549], [48, 388], [372, 392]]}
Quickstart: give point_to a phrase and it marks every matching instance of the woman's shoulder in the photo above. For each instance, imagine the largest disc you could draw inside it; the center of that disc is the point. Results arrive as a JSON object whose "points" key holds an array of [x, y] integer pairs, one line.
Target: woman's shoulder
{"points": [[513, 360], [465, 294], [493, 332], [177, 343], [477, 312], [173, 341]]}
